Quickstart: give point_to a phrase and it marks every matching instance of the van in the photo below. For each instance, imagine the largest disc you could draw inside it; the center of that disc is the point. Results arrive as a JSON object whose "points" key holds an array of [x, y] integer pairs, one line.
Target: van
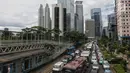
{"points": [[57, 67]]}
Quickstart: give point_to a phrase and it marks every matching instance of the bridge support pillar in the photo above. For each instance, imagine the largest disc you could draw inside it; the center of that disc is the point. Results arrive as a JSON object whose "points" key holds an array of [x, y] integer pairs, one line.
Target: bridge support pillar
{"points": [[18, 66]]}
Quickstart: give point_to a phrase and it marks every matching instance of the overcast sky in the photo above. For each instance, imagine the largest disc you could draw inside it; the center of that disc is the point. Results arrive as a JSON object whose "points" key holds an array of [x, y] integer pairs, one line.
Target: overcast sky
{"points": [[18, 14]]}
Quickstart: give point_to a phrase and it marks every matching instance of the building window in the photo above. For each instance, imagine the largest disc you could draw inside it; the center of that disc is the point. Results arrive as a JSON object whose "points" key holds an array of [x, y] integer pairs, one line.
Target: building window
{"points": [[124, 23], [126, 4], [123, 19], [122, 1], [126, 1], [127, 12], [127, 27], [126, 8], [127, 34], [124, 34], [127, 23], [129, 4], [126, 19], [123, 16], [124, 30], [127, 30], [126, 15]]}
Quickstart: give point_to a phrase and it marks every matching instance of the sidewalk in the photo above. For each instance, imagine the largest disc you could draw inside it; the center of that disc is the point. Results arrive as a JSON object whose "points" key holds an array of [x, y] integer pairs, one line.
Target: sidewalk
{"points": [[111, 67]]}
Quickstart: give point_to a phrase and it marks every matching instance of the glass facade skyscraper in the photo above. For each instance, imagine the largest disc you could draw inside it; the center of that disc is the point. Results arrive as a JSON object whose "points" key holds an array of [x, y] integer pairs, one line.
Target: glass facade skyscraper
{"points": [[80, 18], [96, 15], [69, 5]]}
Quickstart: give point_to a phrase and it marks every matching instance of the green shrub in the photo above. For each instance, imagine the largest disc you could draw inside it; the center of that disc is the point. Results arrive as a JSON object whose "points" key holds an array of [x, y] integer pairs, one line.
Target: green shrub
{"points": [[118, 68]]}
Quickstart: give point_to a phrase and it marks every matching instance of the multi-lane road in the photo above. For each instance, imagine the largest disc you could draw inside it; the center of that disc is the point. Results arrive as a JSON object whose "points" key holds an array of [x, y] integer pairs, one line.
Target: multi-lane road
{"points": [[48, 67]]}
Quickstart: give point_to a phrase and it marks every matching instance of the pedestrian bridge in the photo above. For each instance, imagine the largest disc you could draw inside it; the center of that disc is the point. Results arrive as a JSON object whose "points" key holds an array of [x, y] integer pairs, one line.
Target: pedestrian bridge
{"points": [[23, 56]]}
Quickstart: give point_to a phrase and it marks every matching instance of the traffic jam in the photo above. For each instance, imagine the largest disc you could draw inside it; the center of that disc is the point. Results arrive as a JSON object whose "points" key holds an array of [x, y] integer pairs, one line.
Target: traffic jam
{"points": [[87, 59]]}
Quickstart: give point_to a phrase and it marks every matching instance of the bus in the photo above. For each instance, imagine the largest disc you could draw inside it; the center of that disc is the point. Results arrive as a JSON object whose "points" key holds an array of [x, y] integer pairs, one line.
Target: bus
{"points": [[78, 65]]}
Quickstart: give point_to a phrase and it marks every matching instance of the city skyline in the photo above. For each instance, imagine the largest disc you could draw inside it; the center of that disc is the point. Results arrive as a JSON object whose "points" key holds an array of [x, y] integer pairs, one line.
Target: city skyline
{"points": [[19, 14]]}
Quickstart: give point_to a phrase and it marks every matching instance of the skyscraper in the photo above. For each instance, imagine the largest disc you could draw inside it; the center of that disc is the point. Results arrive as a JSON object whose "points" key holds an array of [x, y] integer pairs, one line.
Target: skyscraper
{"points": [[59, 18], [47, 19], [123, 19], [80, 18], [96, 15], [112, 28], [69, 4], [90, 29], [41, 17]]}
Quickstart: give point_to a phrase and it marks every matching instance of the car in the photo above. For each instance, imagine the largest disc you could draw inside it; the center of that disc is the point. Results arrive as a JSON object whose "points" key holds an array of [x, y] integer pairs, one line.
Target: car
{"points": [[107, 70], [93, 59], [106, 64], [101, 60], [57, 67], [94, 71], [95, 67], [93, 54], [67, 58]]}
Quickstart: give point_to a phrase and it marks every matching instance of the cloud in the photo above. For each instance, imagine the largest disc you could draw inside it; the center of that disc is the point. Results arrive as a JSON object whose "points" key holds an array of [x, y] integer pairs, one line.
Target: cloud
{"points": [[19, 13]]}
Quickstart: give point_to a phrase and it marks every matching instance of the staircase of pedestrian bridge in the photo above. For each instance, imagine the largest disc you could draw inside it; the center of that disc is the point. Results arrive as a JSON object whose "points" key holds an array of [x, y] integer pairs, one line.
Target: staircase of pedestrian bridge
{"points": [[23, 56]]}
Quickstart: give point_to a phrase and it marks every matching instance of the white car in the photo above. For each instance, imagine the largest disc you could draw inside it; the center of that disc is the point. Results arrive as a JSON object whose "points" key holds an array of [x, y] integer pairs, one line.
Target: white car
{"points": [[93, 59], [106, 65], [58, 66], [95, 67]]}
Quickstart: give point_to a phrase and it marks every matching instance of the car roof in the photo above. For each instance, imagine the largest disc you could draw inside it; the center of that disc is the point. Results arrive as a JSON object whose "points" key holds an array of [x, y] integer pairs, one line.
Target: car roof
{"points": [[58, 63]]}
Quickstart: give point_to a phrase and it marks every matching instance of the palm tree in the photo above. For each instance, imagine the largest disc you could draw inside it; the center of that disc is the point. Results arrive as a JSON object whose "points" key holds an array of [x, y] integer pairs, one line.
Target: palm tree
{"points": [[39, 31], [56, 33], [6, 35], [48, 33]]}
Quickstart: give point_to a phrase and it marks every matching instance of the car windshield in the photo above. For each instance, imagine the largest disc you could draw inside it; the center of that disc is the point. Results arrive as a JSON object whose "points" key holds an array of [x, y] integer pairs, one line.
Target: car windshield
{"points": [[107, 68], [106, 64], [68, 71], [64, 60], [95, 65], [55, 66]]}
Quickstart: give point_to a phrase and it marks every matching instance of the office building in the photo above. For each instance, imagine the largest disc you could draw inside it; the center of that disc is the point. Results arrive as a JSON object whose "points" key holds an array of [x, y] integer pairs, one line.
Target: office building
{"points": [[112, 28], [123, 19], [90, 29], [105, 32], [59, 18], [96, 15], [80, 18], [69, 5], [47, 19], [41, 16]]}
